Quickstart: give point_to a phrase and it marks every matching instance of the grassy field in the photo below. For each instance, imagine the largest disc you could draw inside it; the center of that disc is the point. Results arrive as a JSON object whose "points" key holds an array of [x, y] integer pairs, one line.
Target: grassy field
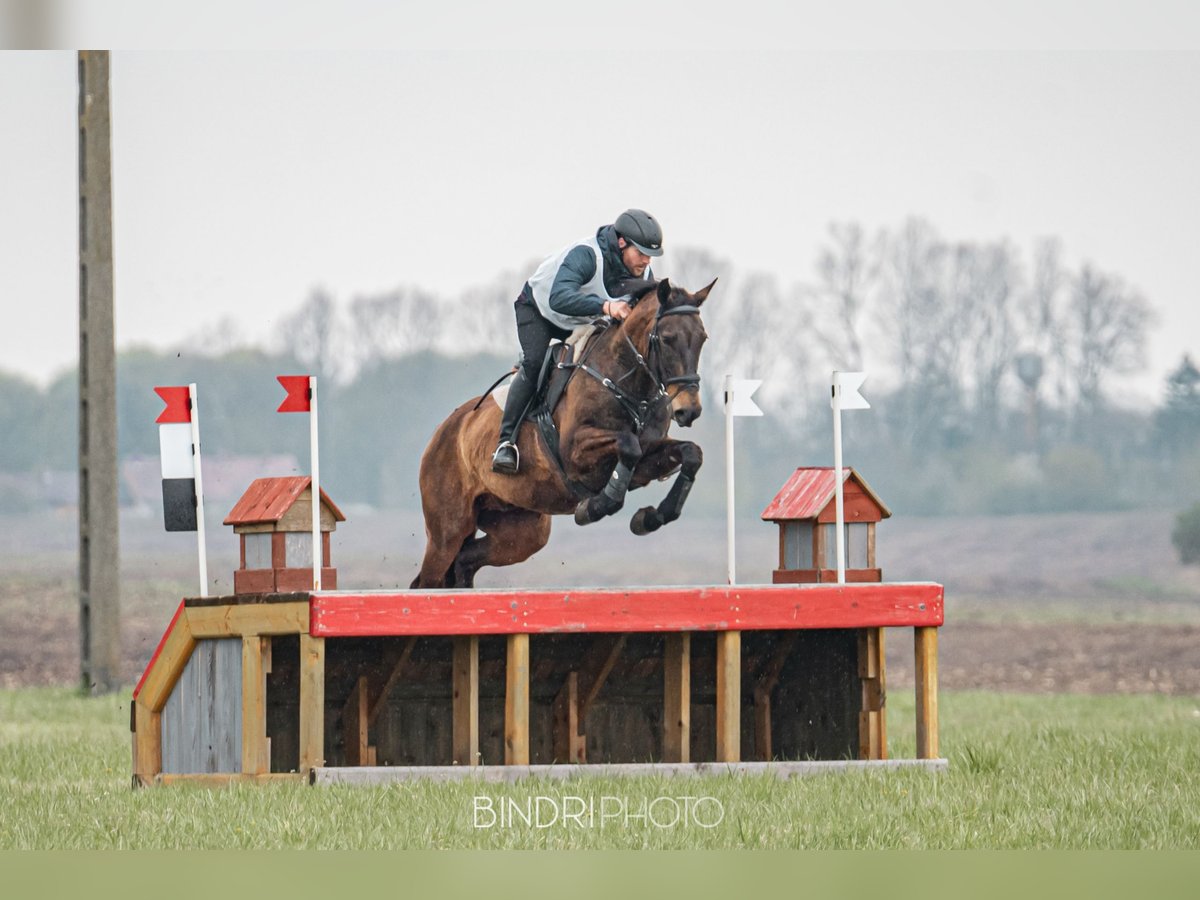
{"points": [[1025, 772]]}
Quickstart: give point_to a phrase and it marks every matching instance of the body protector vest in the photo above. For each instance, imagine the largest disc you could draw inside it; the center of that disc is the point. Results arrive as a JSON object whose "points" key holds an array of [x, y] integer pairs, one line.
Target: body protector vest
{"points": [[542, 282]]}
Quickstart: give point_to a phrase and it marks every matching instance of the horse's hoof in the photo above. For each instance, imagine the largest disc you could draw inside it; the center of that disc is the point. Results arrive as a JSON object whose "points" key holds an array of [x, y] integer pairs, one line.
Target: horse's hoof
{"points": [[582, 516], [645, 520]]}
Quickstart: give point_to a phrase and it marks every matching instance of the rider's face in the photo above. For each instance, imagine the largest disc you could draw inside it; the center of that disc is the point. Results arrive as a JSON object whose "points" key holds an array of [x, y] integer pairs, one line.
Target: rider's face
{"points": [[635, 260]]}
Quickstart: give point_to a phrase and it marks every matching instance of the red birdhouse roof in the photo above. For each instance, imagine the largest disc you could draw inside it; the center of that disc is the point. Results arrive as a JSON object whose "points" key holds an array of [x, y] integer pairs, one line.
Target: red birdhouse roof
{"points": [[267, 499], [810, 490]]}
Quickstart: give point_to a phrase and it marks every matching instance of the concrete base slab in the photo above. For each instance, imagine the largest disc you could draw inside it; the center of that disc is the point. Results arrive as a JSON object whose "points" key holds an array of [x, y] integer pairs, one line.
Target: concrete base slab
{"points": [[373, 775]]}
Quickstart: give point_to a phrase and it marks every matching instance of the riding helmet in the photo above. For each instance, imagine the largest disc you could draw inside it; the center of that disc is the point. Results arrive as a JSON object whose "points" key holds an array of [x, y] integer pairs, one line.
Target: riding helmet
{"points": [[642, 230]]}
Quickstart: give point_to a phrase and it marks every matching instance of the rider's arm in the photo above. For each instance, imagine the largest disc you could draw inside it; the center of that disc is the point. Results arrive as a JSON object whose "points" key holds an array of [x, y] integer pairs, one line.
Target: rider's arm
{"points": [[566, 294]]}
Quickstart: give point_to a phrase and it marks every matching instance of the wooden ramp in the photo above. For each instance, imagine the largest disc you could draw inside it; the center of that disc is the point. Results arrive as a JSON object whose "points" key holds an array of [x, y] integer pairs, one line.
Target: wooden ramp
{"points": [[786, 678]]}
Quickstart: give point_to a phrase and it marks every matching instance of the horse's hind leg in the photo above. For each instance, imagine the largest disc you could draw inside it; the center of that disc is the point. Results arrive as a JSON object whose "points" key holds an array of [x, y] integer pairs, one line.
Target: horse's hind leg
{"points": [[446, 532], [509, 537]]}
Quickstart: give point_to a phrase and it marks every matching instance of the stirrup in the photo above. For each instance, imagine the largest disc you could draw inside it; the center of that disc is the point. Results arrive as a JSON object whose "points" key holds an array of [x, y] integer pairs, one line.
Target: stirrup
{"points": [[497, 466]]}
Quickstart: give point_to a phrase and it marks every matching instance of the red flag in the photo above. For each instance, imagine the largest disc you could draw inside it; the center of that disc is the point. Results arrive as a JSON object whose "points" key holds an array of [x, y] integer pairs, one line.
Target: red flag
{"points": [[179, 407], [299, 398]]}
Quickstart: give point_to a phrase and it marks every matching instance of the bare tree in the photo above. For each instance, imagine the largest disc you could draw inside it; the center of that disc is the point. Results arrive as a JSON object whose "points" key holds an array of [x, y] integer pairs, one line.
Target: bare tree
{"points": [[1041, 317], [990, 277], [847, 270], [388, 326], [311, 334], [1107, 327], [923, 328]]}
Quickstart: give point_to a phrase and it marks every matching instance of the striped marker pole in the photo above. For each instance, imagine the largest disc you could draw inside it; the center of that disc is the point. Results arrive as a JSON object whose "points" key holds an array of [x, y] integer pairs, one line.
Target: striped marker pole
{"points": [[302, 397], [182, 477]]}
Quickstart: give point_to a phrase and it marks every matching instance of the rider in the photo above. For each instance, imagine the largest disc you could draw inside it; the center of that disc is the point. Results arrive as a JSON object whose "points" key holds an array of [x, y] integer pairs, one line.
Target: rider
{"points": [[574, 287]]}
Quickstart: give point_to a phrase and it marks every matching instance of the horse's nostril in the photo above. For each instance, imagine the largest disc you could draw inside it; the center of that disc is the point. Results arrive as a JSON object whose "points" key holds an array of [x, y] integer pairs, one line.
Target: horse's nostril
{"points": [[685, 417]]}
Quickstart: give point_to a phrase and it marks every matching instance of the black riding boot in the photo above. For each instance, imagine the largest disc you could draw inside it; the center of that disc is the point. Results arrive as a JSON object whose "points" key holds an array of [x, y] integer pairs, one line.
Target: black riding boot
{"points": [[507, 459]]}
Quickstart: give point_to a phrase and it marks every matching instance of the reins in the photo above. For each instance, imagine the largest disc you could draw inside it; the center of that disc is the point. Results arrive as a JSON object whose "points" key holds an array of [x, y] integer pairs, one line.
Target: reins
{"points": [[638, 409]]}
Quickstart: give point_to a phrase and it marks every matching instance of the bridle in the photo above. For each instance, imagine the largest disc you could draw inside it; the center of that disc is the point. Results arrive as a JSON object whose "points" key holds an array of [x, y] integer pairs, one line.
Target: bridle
{"points": [[639, 409]]}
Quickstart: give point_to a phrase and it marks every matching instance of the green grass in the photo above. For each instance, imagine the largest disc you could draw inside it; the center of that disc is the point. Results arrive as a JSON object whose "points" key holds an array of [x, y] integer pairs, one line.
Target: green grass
{"points": [[1064, 771]]}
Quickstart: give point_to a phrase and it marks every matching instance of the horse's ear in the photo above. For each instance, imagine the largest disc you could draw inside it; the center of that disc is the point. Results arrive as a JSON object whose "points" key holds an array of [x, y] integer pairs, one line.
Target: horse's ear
{"points": [[701, 295], [664, 292]]}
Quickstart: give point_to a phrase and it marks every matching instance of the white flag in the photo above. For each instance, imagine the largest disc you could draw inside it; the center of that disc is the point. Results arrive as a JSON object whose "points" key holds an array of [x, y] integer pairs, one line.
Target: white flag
{"points": [[845, 386], [738, 392]]}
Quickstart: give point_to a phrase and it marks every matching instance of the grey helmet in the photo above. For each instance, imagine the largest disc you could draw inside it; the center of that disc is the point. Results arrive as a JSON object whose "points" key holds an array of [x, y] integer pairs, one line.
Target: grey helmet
{"points": [[641, 229]]}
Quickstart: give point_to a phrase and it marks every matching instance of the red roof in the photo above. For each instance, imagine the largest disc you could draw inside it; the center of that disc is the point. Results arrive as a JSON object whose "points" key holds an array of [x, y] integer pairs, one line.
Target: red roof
{"points": [[267, 499], [810, 490]]}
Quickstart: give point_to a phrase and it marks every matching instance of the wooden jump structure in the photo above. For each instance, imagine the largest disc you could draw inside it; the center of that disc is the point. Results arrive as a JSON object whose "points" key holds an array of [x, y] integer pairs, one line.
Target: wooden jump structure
{"points": [[346, 686]]}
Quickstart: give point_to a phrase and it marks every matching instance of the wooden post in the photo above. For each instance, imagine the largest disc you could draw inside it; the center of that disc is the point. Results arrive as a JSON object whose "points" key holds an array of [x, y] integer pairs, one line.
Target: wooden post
{"points": [[147, 742], [465, 740], [516, 702], [256, 758], [677, 697], [99, 584], [569, 745], [927, 703], [355, 728], [767, 680], [729, 696], [872, 719], [312, 702]]}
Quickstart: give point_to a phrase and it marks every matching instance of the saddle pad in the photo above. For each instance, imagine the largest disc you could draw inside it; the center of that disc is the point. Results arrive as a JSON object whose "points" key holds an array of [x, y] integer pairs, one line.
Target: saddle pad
{"points": [[577, 340]]}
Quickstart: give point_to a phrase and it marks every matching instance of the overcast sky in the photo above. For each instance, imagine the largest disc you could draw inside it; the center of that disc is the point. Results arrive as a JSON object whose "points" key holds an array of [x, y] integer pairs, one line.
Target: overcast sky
{"points": [[244, 179]]}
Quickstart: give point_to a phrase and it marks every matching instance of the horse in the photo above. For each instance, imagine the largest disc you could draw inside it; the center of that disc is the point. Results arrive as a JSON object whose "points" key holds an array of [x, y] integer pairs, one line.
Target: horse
{"points": [[635, 378]]}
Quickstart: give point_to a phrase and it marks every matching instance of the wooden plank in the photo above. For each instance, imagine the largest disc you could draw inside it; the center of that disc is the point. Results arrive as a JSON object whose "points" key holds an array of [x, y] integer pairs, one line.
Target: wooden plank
{"points": [[201, 721], [516, 702], [246, 619], [625, 610], [927, 690], [256, 757], [871, 545], [593, 676], [147, 740], [569, 745], [872, 721], [355, 730], [312, 702], [379, 701], [465, 703], [765, 684], [174, 650], [677, 698], [729, 696], [223, 779]]}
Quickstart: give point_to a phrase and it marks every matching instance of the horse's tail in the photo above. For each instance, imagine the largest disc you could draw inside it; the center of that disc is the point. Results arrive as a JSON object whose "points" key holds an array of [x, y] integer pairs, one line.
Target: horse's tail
{"points": [[495, 383]]}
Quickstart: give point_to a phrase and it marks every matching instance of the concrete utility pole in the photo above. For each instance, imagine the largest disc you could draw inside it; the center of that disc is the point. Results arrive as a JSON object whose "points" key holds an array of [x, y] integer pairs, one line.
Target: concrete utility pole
{"points": [[99, 586]]}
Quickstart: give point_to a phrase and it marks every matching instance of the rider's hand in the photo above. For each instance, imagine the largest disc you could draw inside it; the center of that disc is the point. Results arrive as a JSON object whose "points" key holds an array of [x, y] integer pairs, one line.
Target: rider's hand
{"points": [[618, 309]]}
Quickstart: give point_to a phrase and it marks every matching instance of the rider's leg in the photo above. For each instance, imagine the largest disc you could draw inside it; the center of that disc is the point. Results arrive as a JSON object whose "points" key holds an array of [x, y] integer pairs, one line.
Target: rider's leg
{"points": [[520, 392], [535, 334]]}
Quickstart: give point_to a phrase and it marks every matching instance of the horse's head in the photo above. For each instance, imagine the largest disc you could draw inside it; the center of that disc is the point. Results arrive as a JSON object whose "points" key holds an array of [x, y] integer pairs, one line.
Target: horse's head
{"points": [[674, 337]]}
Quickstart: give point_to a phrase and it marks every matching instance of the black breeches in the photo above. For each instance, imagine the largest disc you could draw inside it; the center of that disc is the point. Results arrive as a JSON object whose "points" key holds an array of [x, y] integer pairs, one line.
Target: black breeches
{"points": [[535, 334]]}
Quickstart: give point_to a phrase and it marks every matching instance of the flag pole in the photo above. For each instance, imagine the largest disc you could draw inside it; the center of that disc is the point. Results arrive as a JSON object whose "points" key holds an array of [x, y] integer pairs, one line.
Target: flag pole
{"points": [[316, 484], [839, 536], [730, 552], [195, 419]]}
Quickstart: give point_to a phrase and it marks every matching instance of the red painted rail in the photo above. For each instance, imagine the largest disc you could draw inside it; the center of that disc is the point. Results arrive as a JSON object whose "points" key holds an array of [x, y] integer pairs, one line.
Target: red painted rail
{"points": [[726, 608]]}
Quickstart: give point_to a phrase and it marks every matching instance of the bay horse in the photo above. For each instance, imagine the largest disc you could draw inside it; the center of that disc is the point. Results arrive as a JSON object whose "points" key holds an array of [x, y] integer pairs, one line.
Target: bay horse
{"points": [[636, 377]]}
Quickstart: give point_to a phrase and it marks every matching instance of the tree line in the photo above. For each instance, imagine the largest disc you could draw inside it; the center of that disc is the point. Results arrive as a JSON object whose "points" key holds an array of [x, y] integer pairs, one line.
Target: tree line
{"points": [[991, 377]]}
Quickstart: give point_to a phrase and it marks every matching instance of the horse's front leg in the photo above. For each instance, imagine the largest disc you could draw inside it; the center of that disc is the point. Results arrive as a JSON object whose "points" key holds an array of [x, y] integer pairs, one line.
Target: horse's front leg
{"points": [[612, 498], [663, 459]]}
